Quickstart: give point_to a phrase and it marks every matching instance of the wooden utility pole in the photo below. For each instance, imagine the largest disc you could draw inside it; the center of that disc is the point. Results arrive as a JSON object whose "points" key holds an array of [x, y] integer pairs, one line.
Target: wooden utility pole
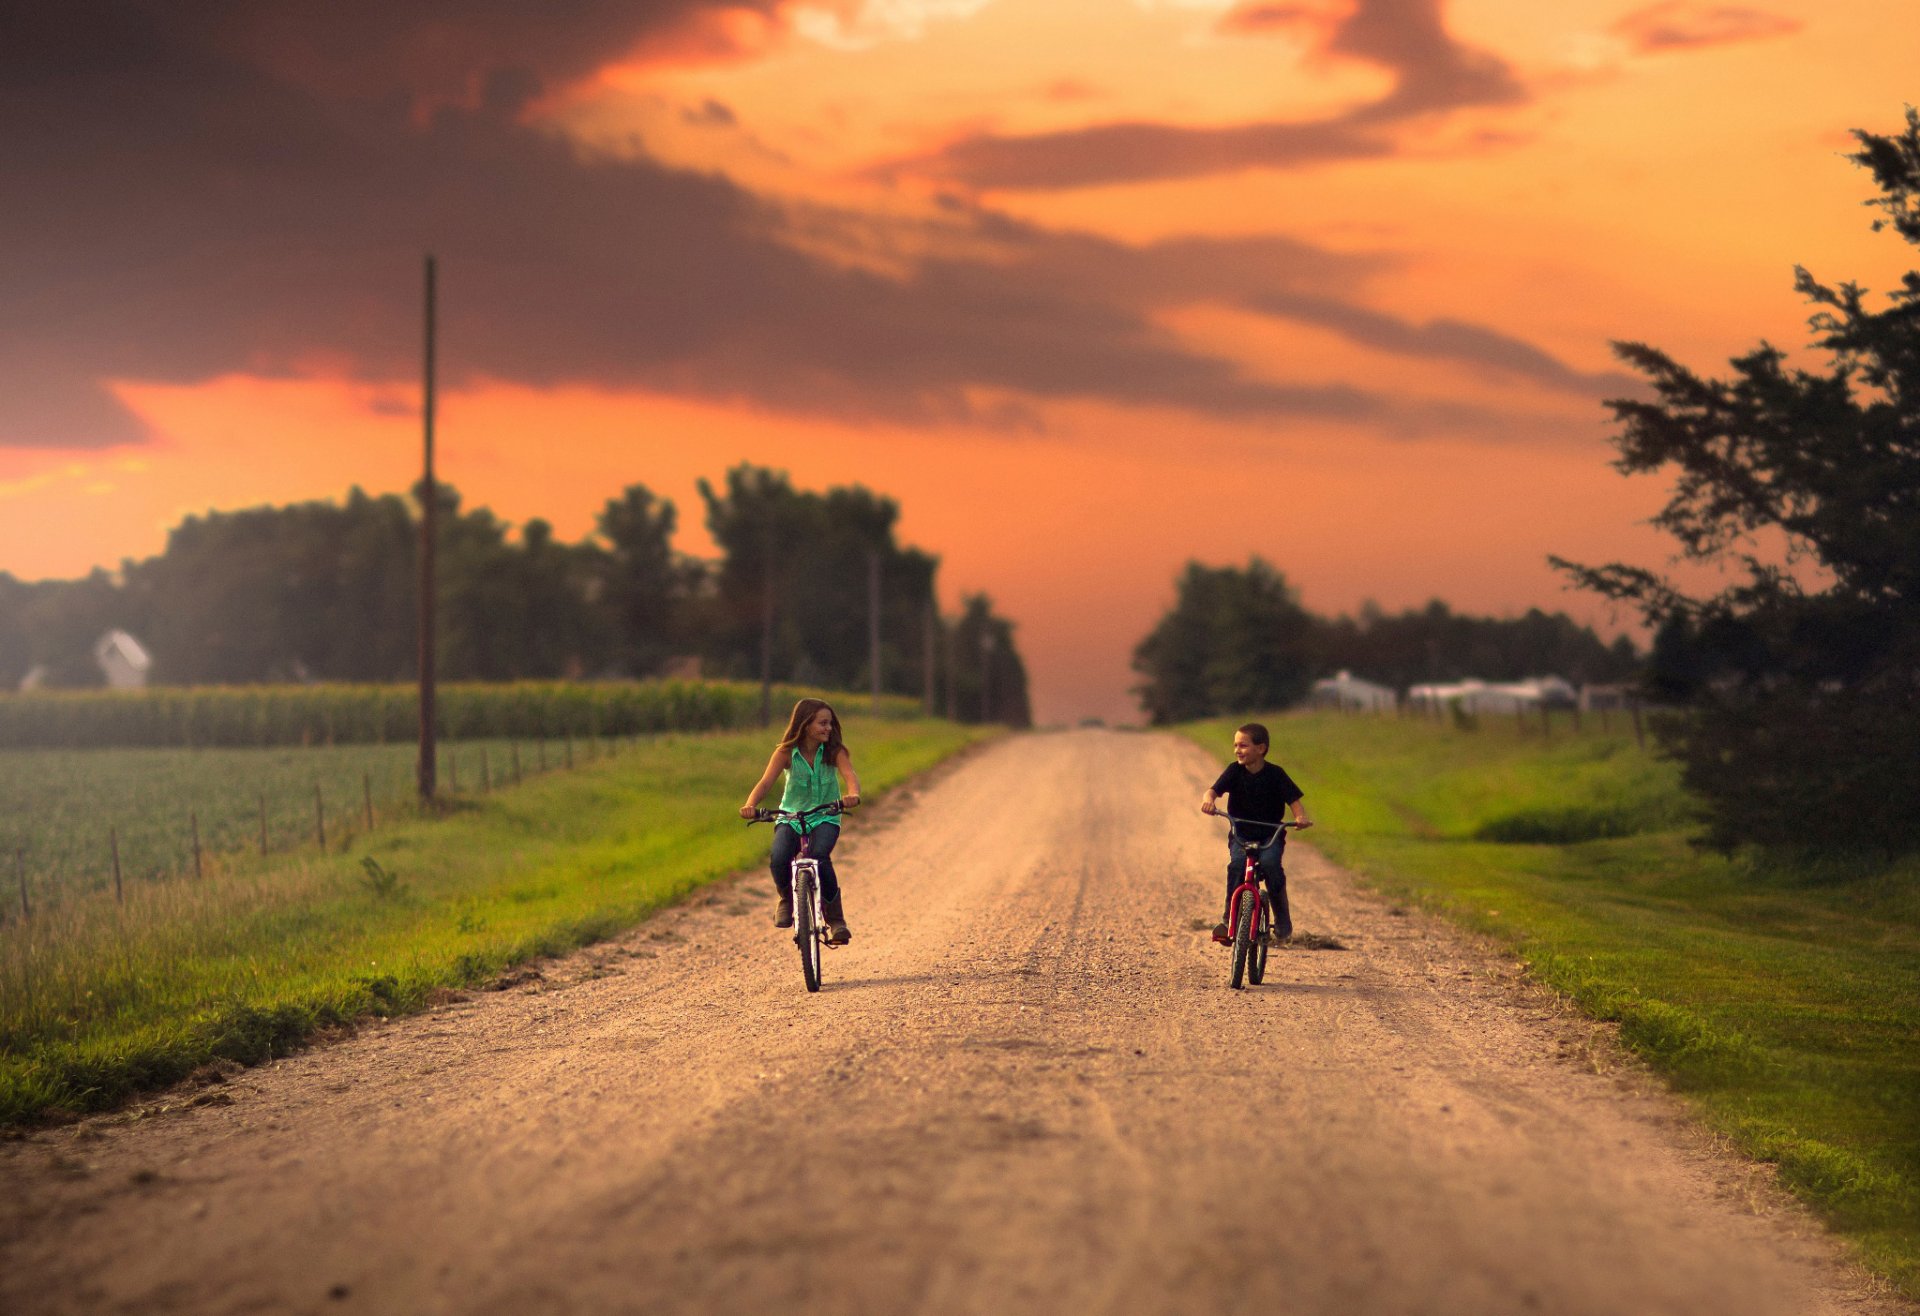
{"points": [[873, 623], [986, 673], [953, 672], [926, 657], [766, 643], [429, 502]]}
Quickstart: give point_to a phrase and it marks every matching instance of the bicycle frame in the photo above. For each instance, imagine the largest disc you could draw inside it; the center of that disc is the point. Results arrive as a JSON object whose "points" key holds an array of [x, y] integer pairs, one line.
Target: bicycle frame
{"points": [[810, 932], [1250, 887]]}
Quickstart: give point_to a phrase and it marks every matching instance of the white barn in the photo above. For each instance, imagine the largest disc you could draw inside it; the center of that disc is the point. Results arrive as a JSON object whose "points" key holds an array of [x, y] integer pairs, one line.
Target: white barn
{"points": [[122, 660], [1345, 690], [1476, 696]]}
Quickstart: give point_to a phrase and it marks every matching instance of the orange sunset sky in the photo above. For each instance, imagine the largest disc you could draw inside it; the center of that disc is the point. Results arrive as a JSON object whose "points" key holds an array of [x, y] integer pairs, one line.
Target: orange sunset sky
{"points": [[1091, 287]]}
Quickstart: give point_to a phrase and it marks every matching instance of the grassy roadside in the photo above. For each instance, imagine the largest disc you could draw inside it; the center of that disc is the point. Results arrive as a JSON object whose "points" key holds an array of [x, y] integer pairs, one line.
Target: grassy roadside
{"points": [[1782, 1000], [99, 1001]]}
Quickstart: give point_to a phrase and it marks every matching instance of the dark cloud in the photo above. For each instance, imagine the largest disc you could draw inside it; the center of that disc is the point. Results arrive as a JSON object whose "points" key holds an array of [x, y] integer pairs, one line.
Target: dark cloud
{"points": [[1443, 340], [1432, 74], [187, 199], [1676, 25]]}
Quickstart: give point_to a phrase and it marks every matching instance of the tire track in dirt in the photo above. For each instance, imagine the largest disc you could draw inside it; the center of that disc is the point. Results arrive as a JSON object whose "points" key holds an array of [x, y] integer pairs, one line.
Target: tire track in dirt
{"points": [[1024, 1088]]}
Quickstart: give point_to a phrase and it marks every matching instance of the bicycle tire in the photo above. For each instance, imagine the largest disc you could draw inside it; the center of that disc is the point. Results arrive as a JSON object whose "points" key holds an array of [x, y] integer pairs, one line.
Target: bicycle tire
{"points": [[1242, 942], [805, 935], [1257, 953]]}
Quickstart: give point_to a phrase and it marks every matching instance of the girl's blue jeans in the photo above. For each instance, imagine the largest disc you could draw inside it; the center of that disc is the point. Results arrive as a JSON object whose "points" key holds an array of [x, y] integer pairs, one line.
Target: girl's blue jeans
{"points": [[786, 848]]}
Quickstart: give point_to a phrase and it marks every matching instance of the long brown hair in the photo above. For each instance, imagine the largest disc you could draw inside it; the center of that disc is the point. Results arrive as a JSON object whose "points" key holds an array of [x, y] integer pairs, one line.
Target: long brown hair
{"points": [[804, 712]]}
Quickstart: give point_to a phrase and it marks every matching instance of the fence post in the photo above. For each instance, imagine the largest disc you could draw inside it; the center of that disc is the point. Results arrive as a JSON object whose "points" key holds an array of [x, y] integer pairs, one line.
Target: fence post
{"points": [[319, 819], [193, 824], [366, 793], [486, 773], [542, 748], [569, 749], [113, 839], [20, 872], [263, 823]]}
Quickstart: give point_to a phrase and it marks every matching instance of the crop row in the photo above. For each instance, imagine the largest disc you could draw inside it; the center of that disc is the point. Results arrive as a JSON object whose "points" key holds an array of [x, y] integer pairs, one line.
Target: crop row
{"points": [[259, 716], [68, 816]]}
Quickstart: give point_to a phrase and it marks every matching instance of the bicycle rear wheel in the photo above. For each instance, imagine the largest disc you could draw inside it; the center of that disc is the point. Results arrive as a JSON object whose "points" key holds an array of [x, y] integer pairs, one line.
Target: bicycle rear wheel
{"points": [[1242, 941], [1257, 954], [806, 932]]}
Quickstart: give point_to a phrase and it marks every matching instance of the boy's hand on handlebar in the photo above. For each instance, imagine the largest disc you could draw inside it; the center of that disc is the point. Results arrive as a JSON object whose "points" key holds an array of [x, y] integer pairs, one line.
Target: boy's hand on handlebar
{"points": [[1208, 807], [749, 812], [849, 801]]}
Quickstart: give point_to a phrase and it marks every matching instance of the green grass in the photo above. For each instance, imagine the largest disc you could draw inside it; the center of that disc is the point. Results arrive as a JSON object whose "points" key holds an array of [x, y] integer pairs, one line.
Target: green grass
{"points": [[100, 1000], [1781, 997]]}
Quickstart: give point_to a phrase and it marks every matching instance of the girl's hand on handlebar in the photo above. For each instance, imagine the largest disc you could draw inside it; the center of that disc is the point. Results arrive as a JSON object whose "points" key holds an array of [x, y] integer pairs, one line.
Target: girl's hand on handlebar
{"points": [[849, 801], [749, 812]]}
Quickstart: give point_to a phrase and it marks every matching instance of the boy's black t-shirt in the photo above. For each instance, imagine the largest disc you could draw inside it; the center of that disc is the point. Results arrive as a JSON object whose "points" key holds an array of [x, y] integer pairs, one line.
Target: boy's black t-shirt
{"points": [[1261, 796]]}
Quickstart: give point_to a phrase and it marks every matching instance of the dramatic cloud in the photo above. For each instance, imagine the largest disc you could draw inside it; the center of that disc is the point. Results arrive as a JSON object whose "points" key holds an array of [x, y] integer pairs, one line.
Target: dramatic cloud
{"points": [[1678, 25], [1443, 340], [188, 199], [1432, 74]]}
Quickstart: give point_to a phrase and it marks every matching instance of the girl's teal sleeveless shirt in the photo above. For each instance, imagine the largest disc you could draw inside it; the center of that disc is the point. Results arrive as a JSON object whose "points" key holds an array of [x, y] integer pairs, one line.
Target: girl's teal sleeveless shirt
{"points": [[810, 785]]}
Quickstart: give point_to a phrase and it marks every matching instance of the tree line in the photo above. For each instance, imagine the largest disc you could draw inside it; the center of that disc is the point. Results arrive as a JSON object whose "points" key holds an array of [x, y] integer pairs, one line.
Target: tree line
{"points": [[328, 591], [1238, 638]]}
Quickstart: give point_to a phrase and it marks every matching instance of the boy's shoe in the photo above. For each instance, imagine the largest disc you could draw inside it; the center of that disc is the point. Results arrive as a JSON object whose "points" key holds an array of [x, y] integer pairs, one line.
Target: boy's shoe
{"points": [[838, 933], [783, 913], [1221, 935]]}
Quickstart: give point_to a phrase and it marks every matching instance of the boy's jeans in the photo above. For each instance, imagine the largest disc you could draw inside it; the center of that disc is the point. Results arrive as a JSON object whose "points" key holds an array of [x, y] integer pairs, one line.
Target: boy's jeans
{"points": [[1270, 870]]}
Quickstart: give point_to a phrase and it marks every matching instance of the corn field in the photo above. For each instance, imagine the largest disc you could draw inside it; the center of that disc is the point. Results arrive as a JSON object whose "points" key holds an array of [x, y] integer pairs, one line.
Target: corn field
{"points": [[307, 715]]}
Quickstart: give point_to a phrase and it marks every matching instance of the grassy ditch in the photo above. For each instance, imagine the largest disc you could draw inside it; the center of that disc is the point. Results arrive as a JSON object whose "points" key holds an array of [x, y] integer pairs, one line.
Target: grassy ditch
{"points": [[1782, 998], [100, 1000]]}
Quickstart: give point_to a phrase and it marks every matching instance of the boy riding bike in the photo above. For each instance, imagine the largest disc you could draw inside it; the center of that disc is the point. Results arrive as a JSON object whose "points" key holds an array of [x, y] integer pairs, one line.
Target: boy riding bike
{"points": [[1260, 792], [814, 758]]}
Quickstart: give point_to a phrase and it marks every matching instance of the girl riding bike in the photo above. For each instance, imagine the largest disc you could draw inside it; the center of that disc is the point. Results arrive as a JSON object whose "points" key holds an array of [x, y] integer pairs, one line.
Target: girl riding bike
{"points": [[815, 760]]}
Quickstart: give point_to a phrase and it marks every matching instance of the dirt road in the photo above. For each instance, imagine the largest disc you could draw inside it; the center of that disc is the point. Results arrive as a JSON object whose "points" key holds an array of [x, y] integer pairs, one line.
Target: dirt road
{"points": [[1026, 1088]]}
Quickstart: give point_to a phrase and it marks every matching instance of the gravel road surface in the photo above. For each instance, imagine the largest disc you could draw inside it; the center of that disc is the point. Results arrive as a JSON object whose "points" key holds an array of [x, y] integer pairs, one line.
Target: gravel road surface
{"points": [[1025, 1088]]}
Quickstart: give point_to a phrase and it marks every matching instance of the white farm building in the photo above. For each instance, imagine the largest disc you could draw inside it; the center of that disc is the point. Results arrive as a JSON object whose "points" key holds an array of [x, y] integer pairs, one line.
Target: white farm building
{"points": [[1345, 690], [1474, 696], [123, 661]]}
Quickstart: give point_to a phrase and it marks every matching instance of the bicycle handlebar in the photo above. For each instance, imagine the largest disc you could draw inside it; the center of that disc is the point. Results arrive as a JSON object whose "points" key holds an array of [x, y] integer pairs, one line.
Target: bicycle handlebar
{"points": [[829, 809], [1273, 829]]}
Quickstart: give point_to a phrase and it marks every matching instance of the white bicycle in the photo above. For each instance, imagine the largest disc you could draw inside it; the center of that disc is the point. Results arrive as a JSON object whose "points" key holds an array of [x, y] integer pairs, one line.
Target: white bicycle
{"points": [[809, 920]]}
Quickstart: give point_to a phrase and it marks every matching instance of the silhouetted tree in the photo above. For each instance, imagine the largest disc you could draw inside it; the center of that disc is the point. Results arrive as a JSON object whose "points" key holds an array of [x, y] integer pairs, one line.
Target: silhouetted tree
{"points": [[645, 587], [1806, 725], [1236, 640]]}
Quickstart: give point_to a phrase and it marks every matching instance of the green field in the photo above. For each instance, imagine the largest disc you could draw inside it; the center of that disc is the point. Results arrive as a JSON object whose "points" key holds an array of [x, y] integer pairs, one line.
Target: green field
{"points": [[57, 806], [100, 999], [256, 716], [1783, 999]]}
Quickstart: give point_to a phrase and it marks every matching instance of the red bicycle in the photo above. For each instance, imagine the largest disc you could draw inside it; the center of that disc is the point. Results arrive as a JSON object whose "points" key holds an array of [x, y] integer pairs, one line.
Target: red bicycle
{"points": [[809, 922], [1248, 915]]}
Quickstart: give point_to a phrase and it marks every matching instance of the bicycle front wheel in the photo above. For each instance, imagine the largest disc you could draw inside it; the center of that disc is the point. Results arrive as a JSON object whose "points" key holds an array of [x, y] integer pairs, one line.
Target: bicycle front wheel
{"points": [[1242, 941], [1257, 954], [806, 931]]}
